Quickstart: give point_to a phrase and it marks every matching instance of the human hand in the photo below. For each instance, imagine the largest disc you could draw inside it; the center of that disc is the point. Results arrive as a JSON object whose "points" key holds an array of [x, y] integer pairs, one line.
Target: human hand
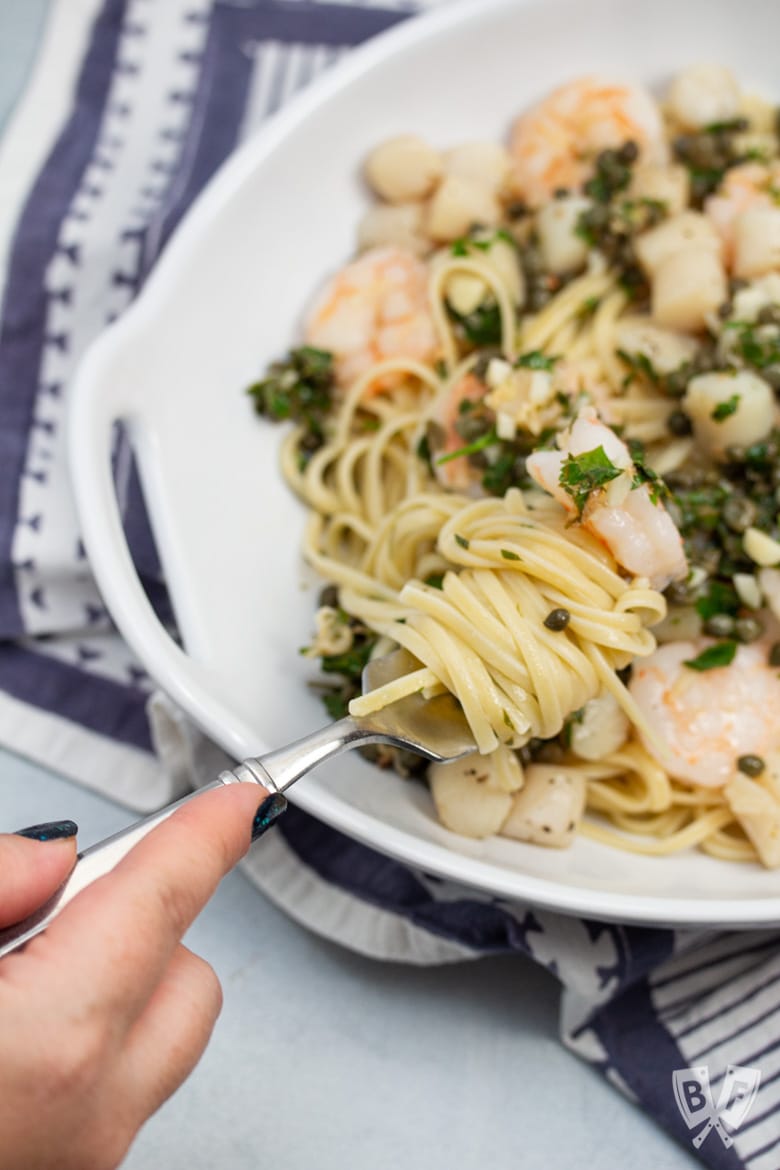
{"points": [[106, 1013]]}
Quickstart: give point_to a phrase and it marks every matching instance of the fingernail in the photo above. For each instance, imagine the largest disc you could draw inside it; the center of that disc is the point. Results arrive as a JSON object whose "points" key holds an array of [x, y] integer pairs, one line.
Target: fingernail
{"points": [[50, 831], [269, 811]]}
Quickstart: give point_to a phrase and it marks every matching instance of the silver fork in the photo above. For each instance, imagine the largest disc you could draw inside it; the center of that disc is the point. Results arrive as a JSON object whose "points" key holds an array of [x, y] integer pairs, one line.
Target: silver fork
{"points": [[433, 728]]}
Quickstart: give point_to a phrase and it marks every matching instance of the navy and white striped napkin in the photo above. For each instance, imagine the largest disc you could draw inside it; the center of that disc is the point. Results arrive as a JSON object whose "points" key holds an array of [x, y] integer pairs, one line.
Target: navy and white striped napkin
{"points": [[132, 106]]}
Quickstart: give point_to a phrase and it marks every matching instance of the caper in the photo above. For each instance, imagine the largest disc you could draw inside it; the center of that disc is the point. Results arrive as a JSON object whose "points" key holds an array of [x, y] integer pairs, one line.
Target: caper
{"points": [[751, 765], [771, 374], [629, 152], [471, 428], [769, 315], [748, 629], [329, 596], [704, 361], [720, 625], [679, 593], [678, 423], [557, 619], [517, 209], [596, 216], [739, 513], [708, 558]]}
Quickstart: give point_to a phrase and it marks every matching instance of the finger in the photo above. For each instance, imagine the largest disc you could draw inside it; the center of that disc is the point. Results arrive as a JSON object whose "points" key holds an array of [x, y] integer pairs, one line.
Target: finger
{"points": [[117, 937], [30, 872], [169, 1038]]}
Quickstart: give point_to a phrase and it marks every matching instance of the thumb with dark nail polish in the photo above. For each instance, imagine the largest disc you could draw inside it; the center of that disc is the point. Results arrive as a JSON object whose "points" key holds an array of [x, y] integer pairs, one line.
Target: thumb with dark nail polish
{"points": [[269, 811], [50, 831]]}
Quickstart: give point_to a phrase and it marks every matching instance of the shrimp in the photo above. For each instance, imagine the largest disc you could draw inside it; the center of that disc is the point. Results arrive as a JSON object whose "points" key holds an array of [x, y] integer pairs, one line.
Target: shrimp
{"points": [[555, 144], [637, 530], [745, 187], [374, 310], [708, 719], [456, 475]]}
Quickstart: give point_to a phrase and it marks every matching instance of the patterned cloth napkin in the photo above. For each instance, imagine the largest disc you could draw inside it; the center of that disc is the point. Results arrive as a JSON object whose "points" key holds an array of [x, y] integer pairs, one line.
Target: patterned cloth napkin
{"points": [[132, 106]]}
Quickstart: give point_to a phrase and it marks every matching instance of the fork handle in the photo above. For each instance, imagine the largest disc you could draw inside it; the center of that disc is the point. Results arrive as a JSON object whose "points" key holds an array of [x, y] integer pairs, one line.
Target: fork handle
{"points": [[275, 771], [102, 857]]}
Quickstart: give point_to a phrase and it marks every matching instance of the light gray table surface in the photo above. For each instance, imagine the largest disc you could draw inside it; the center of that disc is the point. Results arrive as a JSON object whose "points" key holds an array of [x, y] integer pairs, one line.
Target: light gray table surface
{"points": [[323, 1059]]}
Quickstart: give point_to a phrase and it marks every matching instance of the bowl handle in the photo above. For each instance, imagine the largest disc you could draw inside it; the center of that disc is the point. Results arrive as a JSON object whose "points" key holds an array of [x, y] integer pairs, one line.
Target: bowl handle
{"points": [[101, 398]]}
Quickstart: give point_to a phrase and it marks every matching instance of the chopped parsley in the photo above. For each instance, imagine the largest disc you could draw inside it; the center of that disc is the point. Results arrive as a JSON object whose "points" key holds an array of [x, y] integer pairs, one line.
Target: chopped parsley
{"points": [[482, 326], [759, 351], [724, 409], [731, 126], [486, 440], [582, 474], [721, 597], [349, 666], [535, 360], [300, 389], [462, 246], [588, 307], [720, 654], [613, 173], [508, 555], [501, 475], [673, 383], [352, 661], [461, 540], [709, 154], [424, 450], [612, 223], [640, 363], [644, 474]]}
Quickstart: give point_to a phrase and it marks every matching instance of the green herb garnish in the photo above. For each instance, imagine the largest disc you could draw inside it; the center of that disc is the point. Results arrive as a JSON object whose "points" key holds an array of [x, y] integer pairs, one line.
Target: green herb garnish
{"points": [[588, 307], [582, 474], [461, 540], [644, 474], [640, 363], [724, 409], [719, 598], [535, 360], [352, 661], [486, 440], [299, 389], [613, 173], [721, 654], [481, 327], [424, 450], [508, 555], [755, 351]]}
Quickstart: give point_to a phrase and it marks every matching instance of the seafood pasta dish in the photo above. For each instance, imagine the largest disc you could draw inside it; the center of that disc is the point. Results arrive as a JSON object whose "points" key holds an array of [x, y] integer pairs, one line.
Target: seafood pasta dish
{"points": [[537, 434]]}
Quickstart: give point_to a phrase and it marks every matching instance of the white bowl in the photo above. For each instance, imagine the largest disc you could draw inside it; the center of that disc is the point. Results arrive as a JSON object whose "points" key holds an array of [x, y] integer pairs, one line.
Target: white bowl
{"points": [[227, 297]]}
